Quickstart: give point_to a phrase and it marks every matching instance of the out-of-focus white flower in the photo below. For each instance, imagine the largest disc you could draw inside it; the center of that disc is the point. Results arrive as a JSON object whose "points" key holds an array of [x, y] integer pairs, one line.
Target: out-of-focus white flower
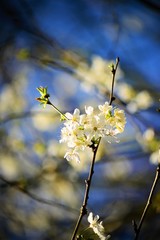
{"points": [[98, 74], [149, 134], [9, 167], [97, 226], [125, 92], [118, 170], [132, 107], [84, 130], [135, 101], [142, 100], [155, 157]]}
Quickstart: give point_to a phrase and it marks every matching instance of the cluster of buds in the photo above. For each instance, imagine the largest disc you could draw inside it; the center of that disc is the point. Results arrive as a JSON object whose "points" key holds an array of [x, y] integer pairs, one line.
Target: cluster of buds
{"points": [[44, 98]]}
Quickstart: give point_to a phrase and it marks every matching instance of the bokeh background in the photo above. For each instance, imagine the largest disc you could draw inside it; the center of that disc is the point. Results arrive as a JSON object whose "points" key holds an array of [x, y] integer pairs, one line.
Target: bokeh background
{"points": [[68, 45]]}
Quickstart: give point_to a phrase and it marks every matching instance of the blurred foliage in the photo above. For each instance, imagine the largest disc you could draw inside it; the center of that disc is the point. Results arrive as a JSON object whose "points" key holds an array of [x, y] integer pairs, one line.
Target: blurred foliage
{"points": [[67, 46]]}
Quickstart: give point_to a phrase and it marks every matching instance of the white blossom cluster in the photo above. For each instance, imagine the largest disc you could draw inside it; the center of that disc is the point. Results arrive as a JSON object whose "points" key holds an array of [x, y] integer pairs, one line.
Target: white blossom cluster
{"points": [[97, 226], [84, 130]]}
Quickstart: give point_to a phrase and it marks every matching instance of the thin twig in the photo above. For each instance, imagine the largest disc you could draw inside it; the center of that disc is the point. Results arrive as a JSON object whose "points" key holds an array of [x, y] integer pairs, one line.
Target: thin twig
{"points": [[137, 229], [57, 110], [114, 69], [83, 209]]}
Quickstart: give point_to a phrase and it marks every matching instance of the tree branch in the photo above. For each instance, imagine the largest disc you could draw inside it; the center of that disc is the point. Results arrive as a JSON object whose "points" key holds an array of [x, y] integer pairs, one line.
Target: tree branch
{"points": [[114, 69], [83, 209], [137, 229]]}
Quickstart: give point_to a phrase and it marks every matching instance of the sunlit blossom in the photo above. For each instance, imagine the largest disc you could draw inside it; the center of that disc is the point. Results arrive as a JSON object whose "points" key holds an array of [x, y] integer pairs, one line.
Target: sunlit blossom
{"points": [[120, 120], [97, 226], [74, 116], [105, 109], [72, 155], [84, 130]]}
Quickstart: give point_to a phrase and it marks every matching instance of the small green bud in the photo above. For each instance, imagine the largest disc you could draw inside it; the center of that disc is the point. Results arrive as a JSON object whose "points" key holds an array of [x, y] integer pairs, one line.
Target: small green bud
{"points": [[44, 98], [63, 117], [112, 68]]}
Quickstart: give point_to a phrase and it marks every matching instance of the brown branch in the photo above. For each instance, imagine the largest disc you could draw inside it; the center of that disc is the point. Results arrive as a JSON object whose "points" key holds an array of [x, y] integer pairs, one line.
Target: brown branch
{"points": [[114, 69], [137, 229], [83, 209]]}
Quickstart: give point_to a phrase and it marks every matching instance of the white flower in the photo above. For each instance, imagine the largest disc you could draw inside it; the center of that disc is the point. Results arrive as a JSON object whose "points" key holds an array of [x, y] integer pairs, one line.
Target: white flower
{"points": [[89, 110], [75, 116], [84, 130], [105, 109], [72, 155], [155, 157], [97, 226], [125, 92], [120, 120], [116, 119], [143, 100], [149, 134], [93, 125]]}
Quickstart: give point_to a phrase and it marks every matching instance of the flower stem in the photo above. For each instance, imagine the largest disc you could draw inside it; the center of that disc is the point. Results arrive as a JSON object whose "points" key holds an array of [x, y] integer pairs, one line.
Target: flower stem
{"points": [[57, 110], [137, 229], [83, 209]]}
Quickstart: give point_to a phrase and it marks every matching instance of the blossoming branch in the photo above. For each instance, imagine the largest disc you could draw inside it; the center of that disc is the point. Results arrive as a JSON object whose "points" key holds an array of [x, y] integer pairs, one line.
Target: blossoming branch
{"points": [[86, 130]]}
